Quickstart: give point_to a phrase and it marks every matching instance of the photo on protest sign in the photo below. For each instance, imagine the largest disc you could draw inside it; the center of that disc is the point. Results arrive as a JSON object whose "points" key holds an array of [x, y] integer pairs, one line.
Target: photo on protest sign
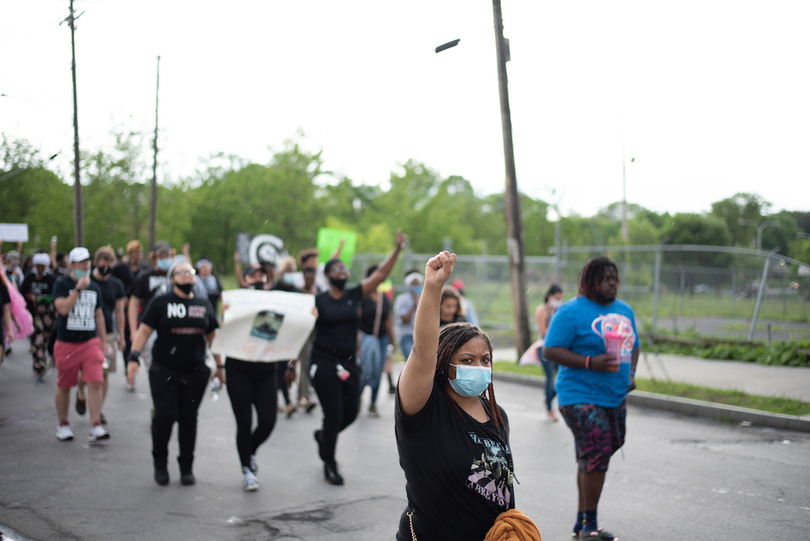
{"points": [[264, 326]]}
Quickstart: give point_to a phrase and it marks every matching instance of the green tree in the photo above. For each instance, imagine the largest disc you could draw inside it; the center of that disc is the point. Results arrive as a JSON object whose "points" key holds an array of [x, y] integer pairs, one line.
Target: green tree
{"points": [[117, 192], [781, 236], [34, 195], [278, 199], [740, 206]]}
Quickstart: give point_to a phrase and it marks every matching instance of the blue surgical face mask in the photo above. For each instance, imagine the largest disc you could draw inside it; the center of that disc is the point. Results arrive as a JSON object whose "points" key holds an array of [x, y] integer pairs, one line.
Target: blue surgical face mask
{"points": [[79, 274], [471, 380], [164, 264], [417, 289]]}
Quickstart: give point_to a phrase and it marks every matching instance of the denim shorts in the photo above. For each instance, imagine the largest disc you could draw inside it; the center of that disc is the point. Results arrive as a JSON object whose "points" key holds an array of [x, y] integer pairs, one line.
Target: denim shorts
{"points": [[598, 433]]}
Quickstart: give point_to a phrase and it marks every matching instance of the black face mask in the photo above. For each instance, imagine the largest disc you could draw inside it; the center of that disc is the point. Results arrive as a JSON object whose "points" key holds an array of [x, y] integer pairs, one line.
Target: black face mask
{"points": [[104, 271], [256, 285], [185, 288], [339, 283]]}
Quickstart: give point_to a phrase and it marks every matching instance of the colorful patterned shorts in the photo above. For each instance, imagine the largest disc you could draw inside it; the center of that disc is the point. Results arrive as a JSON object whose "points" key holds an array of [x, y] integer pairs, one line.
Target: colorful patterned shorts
{"points": [[598, 433]]}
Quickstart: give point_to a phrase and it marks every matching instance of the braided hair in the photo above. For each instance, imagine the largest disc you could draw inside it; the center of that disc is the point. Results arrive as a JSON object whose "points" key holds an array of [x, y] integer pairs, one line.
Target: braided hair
{"points": [[451, 338], [593, 273]]}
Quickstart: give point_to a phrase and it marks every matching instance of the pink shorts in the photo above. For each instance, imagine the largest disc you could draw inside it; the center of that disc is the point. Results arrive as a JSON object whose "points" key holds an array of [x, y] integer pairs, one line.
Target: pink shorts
{"points": [[72, 356]]}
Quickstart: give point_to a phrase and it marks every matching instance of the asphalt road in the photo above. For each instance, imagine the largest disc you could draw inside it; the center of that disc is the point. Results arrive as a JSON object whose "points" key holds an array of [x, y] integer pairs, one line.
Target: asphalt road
{"points": [[678, 478]]}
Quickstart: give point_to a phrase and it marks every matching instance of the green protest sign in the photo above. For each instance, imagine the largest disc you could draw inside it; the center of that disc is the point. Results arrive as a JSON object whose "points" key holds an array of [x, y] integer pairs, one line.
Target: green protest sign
{"points": [[329, 240]]}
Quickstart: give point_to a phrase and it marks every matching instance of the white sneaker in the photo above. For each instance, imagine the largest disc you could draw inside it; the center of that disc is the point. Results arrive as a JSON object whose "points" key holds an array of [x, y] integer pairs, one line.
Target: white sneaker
{"points": [[97, 433], [64, 433], [254, 464], [249, 481]]}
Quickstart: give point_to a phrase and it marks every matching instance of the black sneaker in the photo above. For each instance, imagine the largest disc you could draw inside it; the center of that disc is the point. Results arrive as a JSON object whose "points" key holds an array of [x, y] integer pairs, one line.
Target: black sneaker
{"points": [[187, 478], [161, 475], [330, 472], [81, 405]]}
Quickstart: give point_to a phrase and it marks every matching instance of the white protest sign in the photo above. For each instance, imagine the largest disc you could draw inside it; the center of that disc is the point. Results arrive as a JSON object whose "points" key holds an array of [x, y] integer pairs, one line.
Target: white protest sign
{"points": [[264, 325], [14, 232]]}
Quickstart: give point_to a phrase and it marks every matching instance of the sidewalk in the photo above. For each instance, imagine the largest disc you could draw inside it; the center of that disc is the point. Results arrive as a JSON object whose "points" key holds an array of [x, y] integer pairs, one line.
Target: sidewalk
{"points": [[751, 378]]}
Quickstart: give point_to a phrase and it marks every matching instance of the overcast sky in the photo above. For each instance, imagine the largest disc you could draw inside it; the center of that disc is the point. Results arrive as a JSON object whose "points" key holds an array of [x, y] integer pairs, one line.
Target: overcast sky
{"points": [[710, 97]]}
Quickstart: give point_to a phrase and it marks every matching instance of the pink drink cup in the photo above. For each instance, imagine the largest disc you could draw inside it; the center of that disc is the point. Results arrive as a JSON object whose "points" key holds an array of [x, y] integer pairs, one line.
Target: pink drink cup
{"points": [[613, 345]]}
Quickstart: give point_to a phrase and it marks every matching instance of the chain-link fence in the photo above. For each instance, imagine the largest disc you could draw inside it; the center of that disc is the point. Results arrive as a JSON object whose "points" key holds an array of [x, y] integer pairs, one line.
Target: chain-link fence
{"points": [[706, 291]]}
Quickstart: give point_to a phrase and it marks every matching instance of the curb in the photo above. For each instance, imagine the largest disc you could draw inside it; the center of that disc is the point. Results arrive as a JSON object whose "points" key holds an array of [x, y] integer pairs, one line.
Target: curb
{"points": [[690, 407]]}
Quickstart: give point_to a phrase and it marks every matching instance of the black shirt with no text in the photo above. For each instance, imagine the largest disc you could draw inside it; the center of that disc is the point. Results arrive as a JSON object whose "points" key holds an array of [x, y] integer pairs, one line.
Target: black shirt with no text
{"points": [[181, 325], [123, 272], [336, 327], [112, 289], [5, 299], [369, 315], [459, 472], [80, 324]]}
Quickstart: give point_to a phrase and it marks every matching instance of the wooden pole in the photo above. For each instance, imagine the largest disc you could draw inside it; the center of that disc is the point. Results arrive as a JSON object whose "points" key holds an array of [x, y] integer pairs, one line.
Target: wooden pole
{"points": [[78, 220], [153, 205], [511, 198]]}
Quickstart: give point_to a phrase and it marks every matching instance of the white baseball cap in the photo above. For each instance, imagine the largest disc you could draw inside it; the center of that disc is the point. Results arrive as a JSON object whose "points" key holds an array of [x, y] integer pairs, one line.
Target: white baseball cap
{"points": [[79, 254]]}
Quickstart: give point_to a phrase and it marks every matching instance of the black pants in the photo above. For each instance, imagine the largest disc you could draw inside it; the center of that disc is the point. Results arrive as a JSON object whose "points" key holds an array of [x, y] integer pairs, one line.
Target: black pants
{"points": [[282, 384], [252, 385], [176, 397], [127, 346], [339, 398]]}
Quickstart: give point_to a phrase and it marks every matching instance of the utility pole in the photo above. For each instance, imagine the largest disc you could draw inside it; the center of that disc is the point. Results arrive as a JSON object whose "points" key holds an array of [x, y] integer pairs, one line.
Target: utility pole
{"points": [[153, 205], [514, 228], [78, 220]]}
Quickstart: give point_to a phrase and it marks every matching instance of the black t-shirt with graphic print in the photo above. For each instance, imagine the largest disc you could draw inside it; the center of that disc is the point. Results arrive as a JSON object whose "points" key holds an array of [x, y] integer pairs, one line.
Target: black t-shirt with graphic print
{"points": [[112, 289], [458, 472], [80, 324], [336, 326], [181, 326], [41, 287], [149, 284]]}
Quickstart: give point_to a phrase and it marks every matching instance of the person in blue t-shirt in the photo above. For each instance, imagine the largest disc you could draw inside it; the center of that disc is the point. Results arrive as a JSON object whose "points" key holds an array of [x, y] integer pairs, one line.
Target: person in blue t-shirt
{"points": [[592, 384]]}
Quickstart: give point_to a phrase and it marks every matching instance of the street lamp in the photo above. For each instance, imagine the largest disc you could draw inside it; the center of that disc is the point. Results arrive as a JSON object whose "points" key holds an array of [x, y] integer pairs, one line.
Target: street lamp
{"points": [[759, 228]]}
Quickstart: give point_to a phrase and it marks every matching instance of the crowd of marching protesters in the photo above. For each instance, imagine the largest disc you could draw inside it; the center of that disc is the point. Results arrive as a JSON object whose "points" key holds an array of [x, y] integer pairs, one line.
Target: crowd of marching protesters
{"points": [[158, 315]]}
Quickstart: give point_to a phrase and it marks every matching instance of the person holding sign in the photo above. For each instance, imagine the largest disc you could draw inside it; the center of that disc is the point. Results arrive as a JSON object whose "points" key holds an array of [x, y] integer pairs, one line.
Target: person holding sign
{"points": [[81, 343], [335, 372], [178, 374], [252, 385]]}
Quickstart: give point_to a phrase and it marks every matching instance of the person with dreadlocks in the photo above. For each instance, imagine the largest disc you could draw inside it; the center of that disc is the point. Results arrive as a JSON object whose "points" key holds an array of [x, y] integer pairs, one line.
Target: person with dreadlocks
{"points": [[592, 384], [452, 437]]}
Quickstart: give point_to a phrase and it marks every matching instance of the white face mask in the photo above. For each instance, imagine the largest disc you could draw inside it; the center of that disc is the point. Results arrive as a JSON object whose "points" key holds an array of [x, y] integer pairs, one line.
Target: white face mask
{"points": [[554, 303]]}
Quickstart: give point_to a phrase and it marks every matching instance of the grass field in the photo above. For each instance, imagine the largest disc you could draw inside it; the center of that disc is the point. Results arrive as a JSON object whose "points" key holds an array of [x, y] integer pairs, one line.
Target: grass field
{"points": [[493, 302], [773, 404]]}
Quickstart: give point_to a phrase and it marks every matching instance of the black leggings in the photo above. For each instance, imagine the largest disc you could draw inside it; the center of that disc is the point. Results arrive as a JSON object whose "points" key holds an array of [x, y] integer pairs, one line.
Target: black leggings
{"points": [[282, 384], [176, 397], [252, 385], [340, 401]]}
